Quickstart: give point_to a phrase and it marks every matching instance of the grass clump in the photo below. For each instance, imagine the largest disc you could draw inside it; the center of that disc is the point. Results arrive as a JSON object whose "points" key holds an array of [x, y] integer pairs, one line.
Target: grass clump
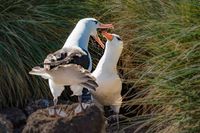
{"points": [[29, 30], [161, 62]]}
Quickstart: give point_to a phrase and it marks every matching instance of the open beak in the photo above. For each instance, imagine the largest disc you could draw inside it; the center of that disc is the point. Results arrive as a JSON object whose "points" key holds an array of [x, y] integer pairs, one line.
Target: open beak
{"points": [[102, 26], [107, 35], [99, 41], [105, 26]]}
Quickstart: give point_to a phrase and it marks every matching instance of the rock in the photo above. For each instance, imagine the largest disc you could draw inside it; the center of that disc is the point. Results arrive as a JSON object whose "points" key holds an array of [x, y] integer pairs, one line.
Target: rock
{"points": [[5, 125], [92, 121], [35, 105], [15, 115], [41, 104]]}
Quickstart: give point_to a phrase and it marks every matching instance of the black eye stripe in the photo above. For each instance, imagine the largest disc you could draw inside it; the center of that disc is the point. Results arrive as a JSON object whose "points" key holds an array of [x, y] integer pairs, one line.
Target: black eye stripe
{"points": [[95, 21], [118, 38]]}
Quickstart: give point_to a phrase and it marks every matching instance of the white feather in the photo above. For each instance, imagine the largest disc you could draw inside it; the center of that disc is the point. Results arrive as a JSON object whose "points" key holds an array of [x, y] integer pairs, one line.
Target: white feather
{"points": [[110, 85]]}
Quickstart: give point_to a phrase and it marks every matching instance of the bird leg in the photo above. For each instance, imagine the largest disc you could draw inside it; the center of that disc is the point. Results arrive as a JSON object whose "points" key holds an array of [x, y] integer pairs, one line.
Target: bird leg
{"points": [[55, 101], [112, 119], [58, 112], [117, 119], [80, 102], [116, 109], [54, 112]]}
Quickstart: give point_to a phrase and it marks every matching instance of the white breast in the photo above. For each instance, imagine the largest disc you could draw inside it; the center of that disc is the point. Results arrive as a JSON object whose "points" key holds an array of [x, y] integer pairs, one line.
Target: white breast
{"points": [[109, 90]]}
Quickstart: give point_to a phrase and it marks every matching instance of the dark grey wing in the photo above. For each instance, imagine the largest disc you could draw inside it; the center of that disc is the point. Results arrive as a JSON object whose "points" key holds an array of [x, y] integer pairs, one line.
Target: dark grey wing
{"points": [[82, 60], [67, 56]]}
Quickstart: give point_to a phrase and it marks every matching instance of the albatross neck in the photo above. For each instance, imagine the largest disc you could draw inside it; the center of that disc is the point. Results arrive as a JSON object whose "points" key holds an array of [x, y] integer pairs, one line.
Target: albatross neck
{"points": [[79, 37], [108, 61]]}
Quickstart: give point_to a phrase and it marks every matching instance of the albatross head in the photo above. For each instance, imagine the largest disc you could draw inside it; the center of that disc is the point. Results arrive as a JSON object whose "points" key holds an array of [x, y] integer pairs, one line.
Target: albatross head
{"points": [[92, 25], [113, 40]]}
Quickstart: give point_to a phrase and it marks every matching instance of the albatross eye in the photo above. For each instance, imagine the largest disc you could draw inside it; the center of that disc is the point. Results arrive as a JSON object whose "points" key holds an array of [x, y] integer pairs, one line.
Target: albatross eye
{"points": [[118, 38], [95, 21]]}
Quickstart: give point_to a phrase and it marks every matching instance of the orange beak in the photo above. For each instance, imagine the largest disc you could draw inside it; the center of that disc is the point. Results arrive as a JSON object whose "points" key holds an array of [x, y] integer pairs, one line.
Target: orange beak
{"points": [[107, 35], [99, 41], [103, 26]]}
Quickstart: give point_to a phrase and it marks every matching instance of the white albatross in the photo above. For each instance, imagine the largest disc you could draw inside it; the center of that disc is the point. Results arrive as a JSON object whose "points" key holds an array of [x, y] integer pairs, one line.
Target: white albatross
{"points": [[108, 92]]}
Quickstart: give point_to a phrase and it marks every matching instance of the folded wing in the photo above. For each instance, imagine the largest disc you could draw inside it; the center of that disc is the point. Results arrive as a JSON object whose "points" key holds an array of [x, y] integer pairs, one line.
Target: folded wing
{"points": [[66, 56]]}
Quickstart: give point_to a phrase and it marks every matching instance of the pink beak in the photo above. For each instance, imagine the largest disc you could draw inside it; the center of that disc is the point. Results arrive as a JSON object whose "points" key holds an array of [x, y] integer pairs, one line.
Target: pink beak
{"points": [[103, 26]]}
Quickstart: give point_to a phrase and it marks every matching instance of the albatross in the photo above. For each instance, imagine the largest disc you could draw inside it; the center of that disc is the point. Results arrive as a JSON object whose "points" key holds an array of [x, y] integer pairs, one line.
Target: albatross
{"points": [[108, 92], [74, 51]]}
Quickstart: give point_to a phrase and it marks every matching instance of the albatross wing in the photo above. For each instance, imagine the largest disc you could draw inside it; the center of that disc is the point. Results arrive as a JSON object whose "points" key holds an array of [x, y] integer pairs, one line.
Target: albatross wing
{"points": [[69, 74], [74, 74], [40, 72], [67, 55]]}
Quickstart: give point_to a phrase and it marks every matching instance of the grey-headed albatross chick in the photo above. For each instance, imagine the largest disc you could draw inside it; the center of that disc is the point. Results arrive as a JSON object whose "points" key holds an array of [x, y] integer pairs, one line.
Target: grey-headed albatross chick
{"points": [[108, 92]]}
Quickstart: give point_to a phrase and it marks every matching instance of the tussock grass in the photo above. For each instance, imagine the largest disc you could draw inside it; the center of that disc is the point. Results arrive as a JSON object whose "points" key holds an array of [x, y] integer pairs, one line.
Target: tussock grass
{"points": [[29, 30], [161, 62]]}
